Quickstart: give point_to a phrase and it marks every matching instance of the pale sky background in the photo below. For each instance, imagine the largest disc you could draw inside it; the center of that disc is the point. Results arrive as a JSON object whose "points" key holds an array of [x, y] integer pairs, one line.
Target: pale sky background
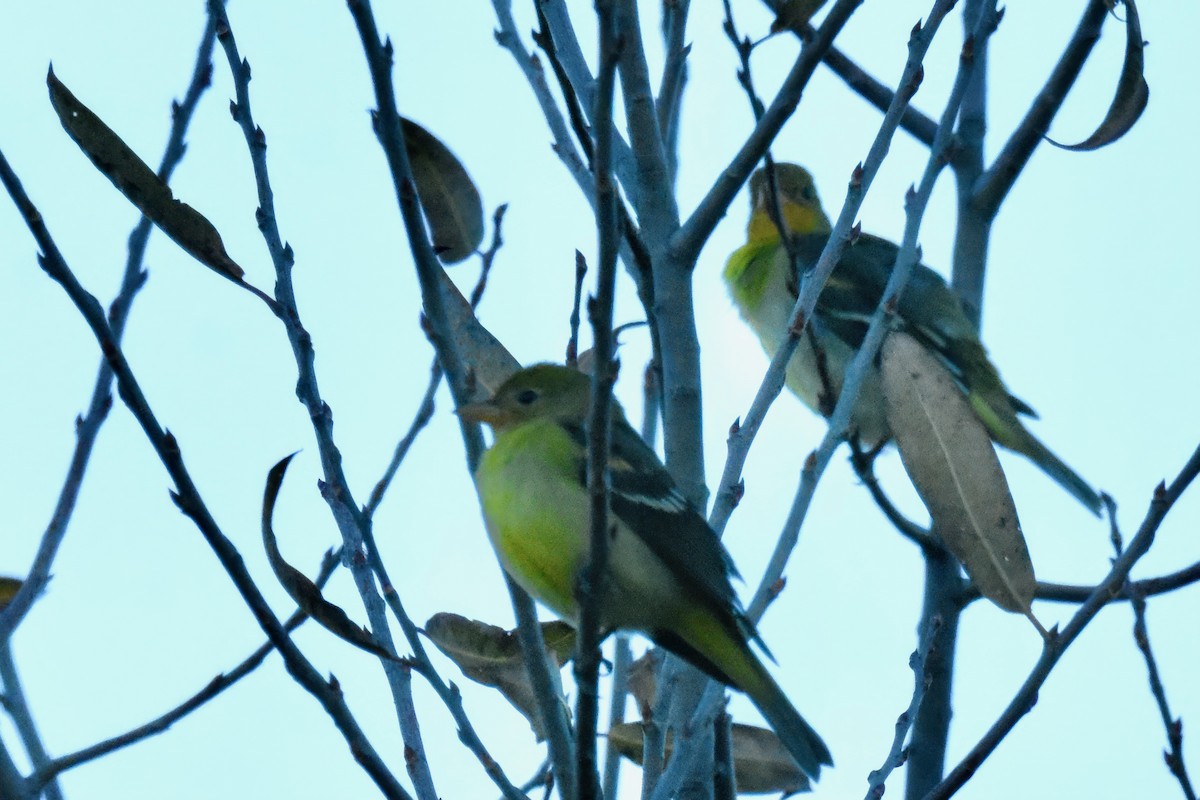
{"points": [[1089, 314]]}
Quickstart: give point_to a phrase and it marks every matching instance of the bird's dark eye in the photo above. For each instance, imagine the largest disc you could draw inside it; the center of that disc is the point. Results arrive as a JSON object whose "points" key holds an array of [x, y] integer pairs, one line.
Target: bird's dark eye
{"points": [[527, 397]]}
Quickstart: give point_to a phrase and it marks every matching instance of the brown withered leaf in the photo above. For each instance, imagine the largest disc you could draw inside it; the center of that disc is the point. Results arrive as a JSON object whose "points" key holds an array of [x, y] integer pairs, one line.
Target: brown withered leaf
{"points": [[186, 226], [794, 15], [480, 350], [1132, 94], [298, 586], [953, 465], [492, 656], [8, 590], [761, 764], [643, 680], [448, 196]]}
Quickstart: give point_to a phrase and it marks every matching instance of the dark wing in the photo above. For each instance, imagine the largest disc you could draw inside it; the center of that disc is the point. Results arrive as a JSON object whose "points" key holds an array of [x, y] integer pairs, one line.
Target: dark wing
{"points": [[645, 498], [928, 310]]}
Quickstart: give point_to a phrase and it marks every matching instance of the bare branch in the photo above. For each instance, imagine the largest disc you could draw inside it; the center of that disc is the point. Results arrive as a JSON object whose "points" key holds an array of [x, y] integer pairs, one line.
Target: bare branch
{"points": [[898, 753], [187, 496], [163, 722], [864, 467], [694, 232], [14, 702], [426, 406], [1174, 726], [617, 36], [510, 40], [912, 121], [352, 522], [575, 67], [996, 183], [674, 77], [1054, 647], [87, 426], [547, 688]]}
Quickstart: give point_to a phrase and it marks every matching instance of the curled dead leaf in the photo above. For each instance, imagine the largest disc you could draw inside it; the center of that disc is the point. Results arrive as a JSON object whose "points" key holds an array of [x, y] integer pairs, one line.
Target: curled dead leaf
{"points": [[492, 656], [761, 764], [299, 587], [1132, 93]]}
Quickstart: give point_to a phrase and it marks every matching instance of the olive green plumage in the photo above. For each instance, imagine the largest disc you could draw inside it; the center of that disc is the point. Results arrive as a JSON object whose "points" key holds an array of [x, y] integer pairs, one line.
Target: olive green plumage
{"points": [[760, 279], [668, 574]]}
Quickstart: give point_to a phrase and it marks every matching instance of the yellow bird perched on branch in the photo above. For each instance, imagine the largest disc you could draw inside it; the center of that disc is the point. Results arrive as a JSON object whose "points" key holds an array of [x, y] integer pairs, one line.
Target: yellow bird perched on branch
{"points": [[761, 281], [668, 575]]}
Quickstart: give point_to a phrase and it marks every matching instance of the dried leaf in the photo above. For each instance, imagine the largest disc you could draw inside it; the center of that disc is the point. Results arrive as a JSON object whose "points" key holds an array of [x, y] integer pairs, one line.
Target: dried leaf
{"points": [[794, 15], [298, 586], [186, 226], [761, 764], [8, 590], [953, 465], [480, 350], [450, 200], [643, 680], [1132, 93], [492, 656]]}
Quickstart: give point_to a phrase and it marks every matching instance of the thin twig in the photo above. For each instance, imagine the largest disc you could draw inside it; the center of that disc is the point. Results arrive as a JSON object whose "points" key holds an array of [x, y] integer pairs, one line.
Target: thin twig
{"points": [[995, 184], [875, 92], [1057, 643], [547, 690], [210, 691], [187, 496], [622, 660], [335, 489], [674, 77], [634, 252], [912, 121], [724, 781], [686, 243], [576, 305], [864, 467], [87, 426], [421, 663], [1069, 593], [906, 259], [426, 407], [1172, 724], [575, 66], [13, 699], [378, 55], [899, 753], [593, 585], [508, 38], [840, 235], [773, 382], [653, 197]]}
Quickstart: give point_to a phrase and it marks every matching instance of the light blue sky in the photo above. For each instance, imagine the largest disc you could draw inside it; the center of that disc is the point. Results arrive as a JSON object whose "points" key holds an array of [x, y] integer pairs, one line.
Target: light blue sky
{"points": [[1091, 293]]}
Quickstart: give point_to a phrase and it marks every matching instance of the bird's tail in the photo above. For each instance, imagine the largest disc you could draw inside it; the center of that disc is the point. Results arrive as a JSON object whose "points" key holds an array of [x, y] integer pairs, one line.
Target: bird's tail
{"points": [[1057, 469], [1007, 429], [727, 656], [797, 736]]}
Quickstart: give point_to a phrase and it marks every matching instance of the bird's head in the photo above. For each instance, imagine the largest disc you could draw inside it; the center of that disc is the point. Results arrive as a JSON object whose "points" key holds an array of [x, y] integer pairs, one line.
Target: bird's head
{"points": [[543, 391], [798, 201]]}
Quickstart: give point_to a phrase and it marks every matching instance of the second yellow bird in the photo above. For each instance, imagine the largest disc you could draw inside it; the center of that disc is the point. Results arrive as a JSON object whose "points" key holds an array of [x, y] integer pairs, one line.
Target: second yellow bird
{"points": [[760, 279]]}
